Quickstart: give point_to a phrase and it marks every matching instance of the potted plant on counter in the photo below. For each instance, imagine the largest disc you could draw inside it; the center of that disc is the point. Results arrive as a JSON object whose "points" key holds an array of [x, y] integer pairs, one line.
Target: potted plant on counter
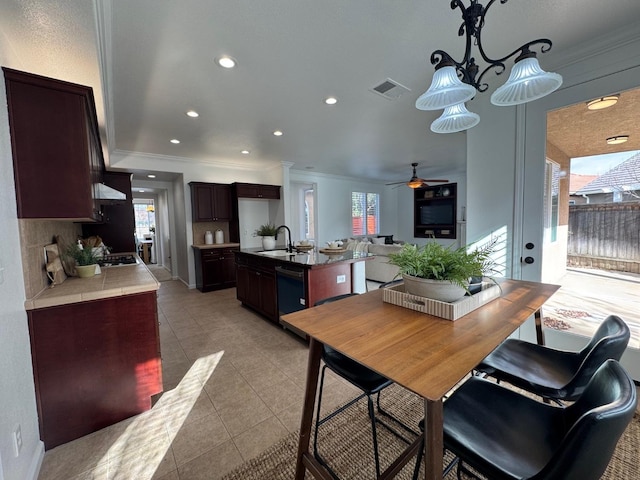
{"points": [[441, 273], [268, 233], [86, 259]]}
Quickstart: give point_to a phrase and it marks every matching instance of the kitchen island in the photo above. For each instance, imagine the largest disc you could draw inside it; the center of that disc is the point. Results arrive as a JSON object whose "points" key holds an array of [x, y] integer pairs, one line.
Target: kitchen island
{"points": [[95, 349], [276, 282]]}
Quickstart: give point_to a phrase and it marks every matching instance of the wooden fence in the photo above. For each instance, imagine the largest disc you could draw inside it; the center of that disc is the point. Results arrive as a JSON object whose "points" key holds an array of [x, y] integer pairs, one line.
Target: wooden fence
{"points": [[605, 236]]}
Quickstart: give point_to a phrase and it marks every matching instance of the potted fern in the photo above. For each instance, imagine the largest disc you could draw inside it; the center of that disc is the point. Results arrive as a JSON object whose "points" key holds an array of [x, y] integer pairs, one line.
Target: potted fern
{"points": [[438, 272], [268, 233], [86, 259]]}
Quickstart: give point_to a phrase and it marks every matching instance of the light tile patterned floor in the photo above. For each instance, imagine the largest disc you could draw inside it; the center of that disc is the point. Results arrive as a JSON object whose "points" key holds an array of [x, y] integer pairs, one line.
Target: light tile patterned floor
{"points": [[234, 384]]}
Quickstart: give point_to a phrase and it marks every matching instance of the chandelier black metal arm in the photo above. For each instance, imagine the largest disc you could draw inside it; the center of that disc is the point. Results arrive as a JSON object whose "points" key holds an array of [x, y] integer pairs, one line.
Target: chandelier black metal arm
{"points": [[468, 70]]}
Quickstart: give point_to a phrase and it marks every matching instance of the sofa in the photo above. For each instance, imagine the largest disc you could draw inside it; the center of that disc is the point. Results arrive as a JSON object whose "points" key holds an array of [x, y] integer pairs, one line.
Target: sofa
{"points": [[376, 269]]}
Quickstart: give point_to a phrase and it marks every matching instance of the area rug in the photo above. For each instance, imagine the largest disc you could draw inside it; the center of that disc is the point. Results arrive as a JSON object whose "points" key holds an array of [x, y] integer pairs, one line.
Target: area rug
{"points": [[345, 442]]}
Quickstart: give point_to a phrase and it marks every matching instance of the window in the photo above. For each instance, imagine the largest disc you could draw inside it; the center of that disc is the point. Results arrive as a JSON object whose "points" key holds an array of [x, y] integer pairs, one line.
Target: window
{"points": [[365, 213], [145, 217]]}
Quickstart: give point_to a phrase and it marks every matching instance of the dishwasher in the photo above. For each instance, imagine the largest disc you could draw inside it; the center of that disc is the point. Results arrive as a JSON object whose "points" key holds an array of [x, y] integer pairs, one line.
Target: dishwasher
{"points": [[291, 297]]}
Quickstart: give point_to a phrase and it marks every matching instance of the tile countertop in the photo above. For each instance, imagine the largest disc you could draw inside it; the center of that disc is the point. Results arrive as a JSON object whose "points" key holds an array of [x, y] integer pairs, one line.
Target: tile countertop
{"points": [[202, 246], [112, 282], [312, 258]]}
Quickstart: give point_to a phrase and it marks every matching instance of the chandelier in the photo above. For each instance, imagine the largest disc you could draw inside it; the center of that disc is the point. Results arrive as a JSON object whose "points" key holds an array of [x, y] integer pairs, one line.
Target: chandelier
{"points": [[454, 83]]}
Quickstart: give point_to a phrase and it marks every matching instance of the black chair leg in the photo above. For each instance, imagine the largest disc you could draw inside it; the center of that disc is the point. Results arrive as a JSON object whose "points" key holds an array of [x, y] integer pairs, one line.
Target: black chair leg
{"points": [[374, 433]]}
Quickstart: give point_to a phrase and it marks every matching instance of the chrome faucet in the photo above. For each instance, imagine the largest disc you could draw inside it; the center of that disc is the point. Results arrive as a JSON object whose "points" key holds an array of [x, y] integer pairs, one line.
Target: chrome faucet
{"points": [[290, 244]]}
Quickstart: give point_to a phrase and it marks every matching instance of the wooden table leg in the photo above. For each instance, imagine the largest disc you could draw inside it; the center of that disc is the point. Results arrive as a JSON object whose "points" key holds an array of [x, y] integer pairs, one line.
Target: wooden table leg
{"points": [[433, 443], [313, 368], [537, 316]]}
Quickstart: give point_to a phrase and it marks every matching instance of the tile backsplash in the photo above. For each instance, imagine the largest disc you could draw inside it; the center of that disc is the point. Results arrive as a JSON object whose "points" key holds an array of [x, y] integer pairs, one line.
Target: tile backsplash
{"points": [[34, 235], [200, 228]]}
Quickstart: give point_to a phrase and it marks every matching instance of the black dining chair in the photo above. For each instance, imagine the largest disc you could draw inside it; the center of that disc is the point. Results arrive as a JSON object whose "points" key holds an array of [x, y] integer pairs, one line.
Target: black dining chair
{"points": [[505, 435], [363, 378], [556, 374]]}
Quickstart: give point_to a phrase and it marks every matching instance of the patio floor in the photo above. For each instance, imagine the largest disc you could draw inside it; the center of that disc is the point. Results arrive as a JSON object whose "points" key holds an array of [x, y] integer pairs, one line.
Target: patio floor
{"points": [[587, 296]]}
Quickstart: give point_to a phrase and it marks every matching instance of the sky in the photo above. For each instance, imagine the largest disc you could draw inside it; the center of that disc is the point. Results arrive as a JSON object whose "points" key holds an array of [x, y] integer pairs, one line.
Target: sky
{"points": [[599, 164]]}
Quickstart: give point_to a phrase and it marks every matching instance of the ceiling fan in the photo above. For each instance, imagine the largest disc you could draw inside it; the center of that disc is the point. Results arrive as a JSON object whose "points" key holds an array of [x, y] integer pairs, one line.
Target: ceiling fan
{"points": [[417, 182]]}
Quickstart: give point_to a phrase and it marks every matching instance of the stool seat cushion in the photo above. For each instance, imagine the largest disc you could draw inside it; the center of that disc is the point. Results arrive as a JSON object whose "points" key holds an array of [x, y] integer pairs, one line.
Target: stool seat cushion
{"points": [[362, 377]]}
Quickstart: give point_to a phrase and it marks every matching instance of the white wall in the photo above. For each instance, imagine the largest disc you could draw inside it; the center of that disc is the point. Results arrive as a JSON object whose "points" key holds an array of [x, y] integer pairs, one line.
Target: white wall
{"points": [[17, 391], [334, 204]]}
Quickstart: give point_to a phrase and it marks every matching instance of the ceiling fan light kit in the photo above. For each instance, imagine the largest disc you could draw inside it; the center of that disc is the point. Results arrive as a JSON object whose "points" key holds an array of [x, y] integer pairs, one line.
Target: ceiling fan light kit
{"points": [[457, 82]]}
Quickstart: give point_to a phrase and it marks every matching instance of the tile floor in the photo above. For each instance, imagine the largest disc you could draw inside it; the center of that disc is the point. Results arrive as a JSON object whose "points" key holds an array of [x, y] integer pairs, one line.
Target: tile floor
{"points": [[234, 384]]}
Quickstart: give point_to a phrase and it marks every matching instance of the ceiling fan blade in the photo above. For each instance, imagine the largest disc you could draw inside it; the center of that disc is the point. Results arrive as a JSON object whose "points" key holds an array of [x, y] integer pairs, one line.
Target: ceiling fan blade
{"points": [[395, 183], [431, 180]]}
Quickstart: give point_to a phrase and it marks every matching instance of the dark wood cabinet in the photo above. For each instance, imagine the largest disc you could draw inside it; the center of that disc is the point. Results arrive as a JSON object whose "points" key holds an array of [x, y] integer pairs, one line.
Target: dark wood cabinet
{"points": [[210, 202], [94, 363], [255, 190], [57, 155], [256, 285], [435, 210], [118, 228], [215, 268]]}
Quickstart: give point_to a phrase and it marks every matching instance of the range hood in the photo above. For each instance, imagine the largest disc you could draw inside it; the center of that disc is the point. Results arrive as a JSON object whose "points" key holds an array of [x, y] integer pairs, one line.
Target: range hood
{"points": [[105, 192]]}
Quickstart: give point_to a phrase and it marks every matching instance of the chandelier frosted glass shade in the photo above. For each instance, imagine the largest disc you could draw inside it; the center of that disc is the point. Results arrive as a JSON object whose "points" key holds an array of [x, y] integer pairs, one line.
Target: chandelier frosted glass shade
{"points": [[455, 119], [446, 90], [527, 82]]}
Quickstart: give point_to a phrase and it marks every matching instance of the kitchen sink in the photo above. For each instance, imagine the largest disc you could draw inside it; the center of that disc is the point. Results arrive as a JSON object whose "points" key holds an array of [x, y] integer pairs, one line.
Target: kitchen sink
{"points": [[276, 253]]}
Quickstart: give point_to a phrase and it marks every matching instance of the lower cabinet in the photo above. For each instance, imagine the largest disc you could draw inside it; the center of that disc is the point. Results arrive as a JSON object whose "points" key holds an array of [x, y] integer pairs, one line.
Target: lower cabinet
{"points": [[215, 268], [256, 286], [95, 363]]}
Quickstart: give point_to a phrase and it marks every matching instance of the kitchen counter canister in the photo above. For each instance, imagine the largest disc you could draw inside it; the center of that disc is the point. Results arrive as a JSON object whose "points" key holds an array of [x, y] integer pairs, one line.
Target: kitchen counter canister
{"points": [[111, 282]]}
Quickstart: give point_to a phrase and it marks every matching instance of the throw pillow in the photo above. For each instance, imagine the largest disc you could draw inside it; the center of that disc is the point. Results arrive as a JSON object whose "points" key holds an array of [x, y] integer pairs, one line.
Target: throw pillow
{"points": [[388, 239], [379, 241]]}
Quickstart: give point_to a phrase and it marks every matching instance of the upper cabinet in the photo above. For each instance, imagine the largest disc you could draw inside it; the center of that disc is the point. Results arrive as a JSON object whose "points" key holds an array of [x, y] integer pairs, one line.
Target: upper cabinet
{"points": [[210, 202], [57, 155], [254, 190]]}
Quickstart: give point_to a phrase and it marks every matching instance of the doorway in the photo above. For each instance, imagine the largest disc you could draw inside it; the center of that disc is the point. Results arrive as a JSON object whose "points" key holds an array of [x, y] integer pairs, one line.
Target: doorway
{"points": [[540, 147], [303, 211], [144, 211]]}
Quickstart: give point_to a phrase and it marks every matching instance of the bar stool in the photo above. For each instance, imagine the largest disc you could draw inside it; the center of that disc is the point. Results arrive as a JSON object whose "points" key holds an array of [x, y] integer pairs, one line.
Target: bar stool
{"points": [[363, 378], [505, 435], [556, 374]]}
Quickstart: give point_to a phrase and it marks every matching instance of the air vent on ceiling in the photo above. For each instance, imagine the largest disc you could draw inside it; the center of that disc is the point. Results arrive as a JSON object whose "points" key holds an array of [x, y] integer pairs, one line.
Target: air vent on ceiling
{"points": [[390, 89]]}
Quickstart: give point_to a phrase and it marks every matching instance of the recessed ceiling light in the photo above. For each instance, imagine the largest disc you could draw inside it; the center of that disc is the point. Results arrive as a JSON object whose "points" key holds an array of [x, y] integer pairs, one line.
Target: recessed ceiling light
{"points": [[141, 190], [151, 176], [277, 133], [193, 114], [617, 140], [226, 62], [331, 100], [175, 141], [603, 102], [245, 152]]}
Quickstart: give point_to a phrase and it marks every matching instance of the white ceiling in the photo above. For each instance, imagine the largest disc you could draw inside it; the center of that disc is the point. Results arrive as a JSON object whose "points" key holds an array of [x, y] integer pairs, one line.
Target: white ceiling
{"points": [[153, 60]]}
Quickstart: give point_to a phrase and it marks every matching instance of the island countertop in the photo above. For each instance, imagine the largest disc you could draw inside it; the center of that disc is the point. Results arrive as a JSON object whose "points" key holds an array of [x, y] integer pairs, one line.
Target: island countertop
{"points": [[203, 246], [112, 282], [308, 259]]}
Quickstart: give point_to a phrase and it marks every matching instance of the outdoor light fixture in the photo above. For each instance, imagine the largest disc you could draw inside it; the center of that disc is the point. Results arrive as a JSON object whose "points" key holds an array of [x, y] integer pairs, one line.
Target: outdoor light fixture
{"points": [[603, 102], [457, 82], [617, 140]]}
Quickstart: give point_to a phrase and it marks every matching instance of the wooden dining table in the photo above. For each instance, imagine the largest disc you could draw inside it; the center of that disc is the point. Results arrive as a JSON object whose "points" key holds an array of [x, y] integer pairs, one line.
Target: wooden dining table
{"points": [[425, 354]]}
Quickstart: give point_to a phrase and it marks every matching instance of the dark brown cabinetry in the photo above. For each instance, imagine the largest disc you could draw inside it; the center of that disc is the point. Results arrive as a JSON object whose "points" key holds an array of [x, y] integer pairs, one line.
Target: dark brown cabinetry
{"points": [[256, 285], [254, 190], [57, 156], [117, 231], [210, 202], [215, 268], [435, 211], [95, 363]]}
